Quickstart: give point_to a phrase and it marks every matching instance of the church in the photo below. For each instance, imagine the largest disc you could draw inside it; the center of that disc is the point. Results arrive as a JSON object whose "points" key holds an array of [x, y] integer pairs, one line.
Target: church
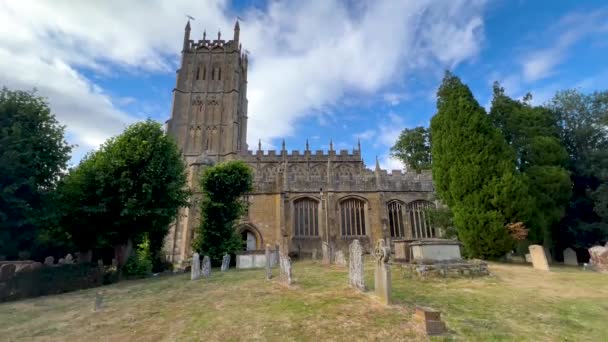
{"points": [[300, 198]]}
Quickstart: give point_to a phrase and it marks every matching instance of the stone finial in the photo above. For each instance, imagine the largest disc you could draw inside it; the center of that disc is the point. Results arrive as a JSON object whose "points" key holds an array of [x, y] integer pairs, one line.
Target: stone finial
{"points": [[237, 30], [359, 144], [219, 34], [377, 164], [187, 26], [283, 145], [331, 144], [307, 147], [204, 34], [259, 144]]}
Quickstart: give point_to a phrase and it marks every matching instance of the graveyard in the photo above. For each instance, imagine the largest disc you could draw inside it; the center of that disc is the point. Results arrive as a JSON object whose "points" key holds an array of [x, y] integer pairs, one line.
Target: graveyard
{"points": [[515, 302]]}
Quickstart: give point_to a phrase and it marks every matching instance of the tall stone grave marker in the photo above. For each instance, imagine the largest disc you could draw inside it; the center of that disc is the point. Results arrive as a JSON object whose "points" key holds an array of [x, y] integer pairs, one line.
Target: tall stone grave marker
{"points": [[355, 267], [539, 258], [383, 272], [285, 269], [268, 262], [225, 263], [206, 271], [195, 270], [340, 258], [598, 256], [570, 257], [325, 251]]}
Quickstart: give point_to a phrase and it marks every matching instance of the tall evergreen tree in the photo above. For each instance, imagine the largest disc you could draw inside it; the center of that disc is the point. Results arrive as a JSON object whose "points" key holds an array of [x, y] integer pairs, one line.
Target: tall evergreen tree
{"points": [[474, 172]]}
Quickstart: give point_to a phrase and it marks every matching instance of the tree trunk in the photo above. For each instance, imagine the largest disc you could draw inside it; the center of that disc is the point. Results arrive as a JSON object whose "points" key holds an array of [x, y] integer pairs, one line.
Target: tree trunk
{"points": [[122, 253]]}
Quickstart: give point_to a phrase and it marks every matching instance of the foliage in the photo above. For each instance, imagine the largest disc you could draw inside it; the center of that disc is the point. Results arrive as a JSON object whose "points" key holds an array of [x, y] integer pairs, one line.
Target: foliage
{"points": [[533, 134], [131, 187], [517, 230], [33, 155], [442, 218], [222, 186], [139, 264], [474, 172], [584, 133], [413, 148]]}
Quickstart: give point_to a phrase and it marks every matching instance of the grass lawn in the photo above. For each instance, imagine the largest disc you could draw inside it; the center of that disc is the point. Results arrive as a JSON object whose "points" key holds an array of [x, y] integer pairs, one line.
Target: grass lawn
{"points": [[516, 303]]}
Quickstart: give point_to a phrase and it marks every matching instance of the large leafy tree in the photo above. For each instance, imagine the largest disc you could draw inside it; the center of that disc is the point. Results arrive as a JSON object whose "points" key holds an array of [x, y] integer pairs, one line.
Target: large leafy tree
{"points": [[223, 186], [413, 148], [474, 172], [131, 188], [533, 134], [583, 131], [33, 155]]}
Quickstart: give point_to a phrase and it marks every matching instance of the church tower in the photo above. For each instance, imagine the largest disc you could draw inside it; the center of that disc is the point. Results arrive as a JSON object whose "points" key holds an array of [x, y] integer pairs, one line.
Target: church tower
{"points": [[209, 110]]}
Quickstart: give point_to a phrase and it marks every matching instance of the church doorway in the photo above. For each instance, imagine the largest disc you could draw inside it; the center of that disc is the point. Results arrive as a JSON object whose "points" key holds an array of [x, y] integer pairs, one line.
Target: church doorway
{"points": [[250, 240], [251, 237]]}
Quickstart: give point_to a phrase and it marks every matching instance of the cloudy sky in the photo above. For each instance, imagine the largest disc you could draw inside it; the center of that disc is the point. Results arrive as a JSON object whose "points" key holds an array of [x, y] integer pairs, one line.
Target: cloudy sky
{"points": [[319, 70]]}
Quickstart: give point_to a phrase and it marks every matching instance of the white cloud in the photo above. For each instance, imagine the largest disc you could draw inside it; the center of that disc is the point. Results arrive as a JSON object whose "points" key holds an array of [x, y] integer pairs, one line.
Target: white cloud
{"points": [[389, 130], [389, 163], [305, 56], [365, 135]]}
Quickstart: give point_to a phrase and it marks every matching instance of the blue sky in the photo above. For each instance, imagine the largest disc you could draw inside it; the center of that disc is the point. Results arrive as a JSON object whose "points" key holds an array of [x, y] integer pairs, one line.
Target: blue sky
{"points": [[320, 70]]}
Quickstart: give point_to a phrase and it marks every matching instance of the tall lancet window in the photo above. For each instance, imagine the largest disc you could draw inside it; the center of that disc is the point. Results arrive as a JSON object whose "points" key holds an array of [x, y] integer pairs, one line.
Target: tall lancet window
{"points": [[306, 217], [419, 220], [352, 218], [396, 219]]}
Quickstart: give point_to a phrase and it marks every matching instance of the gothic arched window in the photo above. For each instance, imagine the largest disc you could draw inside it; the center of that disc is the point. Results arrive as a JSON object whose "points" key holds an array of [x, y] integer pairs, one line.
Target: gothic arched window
{"points": [[352, 217], [219, 74], [419, 220], [306, 217], [204, 73], [396, 219], [198, 70]]}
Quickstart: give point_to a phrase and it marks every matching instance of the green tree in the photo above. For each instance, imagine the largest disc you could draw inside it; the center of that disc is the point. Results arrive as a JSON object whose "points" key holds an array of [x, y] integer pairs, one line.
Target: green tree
{"points": [[533, 134], [413, 148], [223, 186], [474, 172], [584, 133], [33, 155]]}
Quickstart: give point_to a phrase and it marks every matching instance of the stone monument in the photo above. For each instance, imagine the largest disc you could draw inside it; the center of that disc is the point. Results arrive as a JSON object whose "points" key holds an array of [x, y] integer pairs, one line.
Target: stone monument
{"points": [[340, 258], [314, 254], [268, 262], [225, 263], [69, 259], [355, 267], [598, 256], [49, 261], [382, 272], [539, 258], [429, 321], [206, 270], [195, 270], [325, 251], [285, 269], [570, 257]]}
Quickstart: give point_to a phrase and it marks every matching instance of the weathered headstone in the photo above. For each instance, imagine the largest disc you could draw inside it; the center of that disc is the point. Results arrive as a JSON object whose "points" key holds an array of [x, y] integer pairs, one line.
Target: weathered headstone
{"points": [[69, 259], [325, 251], [340, 259], [598, 256], [195, 269], [225, 263], [268, 262], [355, 269], [206, 271], [61, 261], [100, 262], [539, 258], [314, 254], [49, 261], [98, 300], [570, 257], [7, 271], [285, 269], [382, 272], [114, 262], [528, 258], [429, 321]]}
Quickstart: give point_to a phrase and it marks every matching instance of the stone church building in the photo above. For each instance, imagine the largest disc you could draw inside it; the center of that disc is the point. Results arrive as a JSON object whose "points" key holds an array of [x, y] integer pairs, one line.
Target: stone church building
{"points": [[300, 198]]}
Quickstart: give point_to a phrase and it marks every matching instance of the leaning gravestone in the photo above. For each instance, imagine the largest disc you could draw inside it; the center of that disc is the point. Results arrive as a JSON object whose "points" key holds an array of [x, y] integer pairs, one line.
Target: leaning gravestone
{"points": [[225, 263], [355, 267], [49, 261], [195, 269], [285, 269], [340, 259], [268, 262], [539, 258], [598, 257], [570, 257], [382, 273], [206, 270]]}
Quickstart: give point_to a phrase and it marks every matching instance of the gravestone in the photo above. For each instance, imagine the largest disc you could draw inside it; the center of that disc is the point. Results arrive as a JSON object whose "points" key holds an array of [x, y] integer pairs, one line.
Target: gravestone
{"points": [[528, 258], [100, 263], [69, 259], [61, 261], [314, 254], [206, 270], [225, 263], [382, 273], [598, 257], [285, 269], [355, 268], [340, 259], [570, 257], [7, 271], [114, 262], [325, 251], [35, 266], [49, 261], [98, 301], [195, 269], [539, 258], [268, 262], [429, 321]]}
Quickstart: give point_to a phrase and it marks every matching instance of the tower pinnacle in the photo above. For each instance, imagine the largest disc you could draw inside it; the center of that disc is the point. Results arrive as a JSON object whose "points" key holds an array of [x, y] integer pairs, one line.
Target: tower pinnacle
{"points": [[237, 31]]}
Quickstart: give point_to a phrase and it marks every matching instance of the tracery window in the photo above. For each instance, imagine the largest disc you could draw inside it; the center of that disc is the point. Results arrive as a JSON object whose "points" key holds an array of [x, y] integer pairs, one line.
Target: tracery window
{"points": [[419, 220], [396, 219], [306, 217], [352, 217]]}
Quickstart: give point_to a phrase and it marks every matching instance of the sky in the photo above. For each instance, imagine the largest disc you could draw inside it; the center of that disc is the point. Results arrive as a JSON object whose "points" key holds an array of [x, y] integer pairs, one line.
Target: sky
{"points": [[323, 70]]}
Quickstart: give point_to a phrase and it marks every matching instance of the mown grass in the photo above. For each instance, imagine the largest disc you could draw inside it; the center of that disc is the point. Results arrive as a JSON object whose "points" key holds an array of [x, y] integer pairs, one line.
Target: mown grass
{"points": [[516, 303]]}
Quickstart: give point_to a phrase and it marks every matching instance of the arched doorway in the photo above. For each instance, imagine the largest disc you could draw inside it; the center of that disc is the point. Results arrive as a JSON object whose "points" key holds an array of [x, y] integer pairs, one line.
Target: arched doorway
{"points": [[251, 236]]}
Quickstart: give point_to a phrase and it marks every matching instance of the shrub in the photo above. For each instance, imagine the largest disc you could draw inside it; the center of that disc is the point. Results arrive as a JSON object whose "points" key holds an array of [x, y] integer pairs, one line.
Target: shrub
{"points": [[140, 264]]}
